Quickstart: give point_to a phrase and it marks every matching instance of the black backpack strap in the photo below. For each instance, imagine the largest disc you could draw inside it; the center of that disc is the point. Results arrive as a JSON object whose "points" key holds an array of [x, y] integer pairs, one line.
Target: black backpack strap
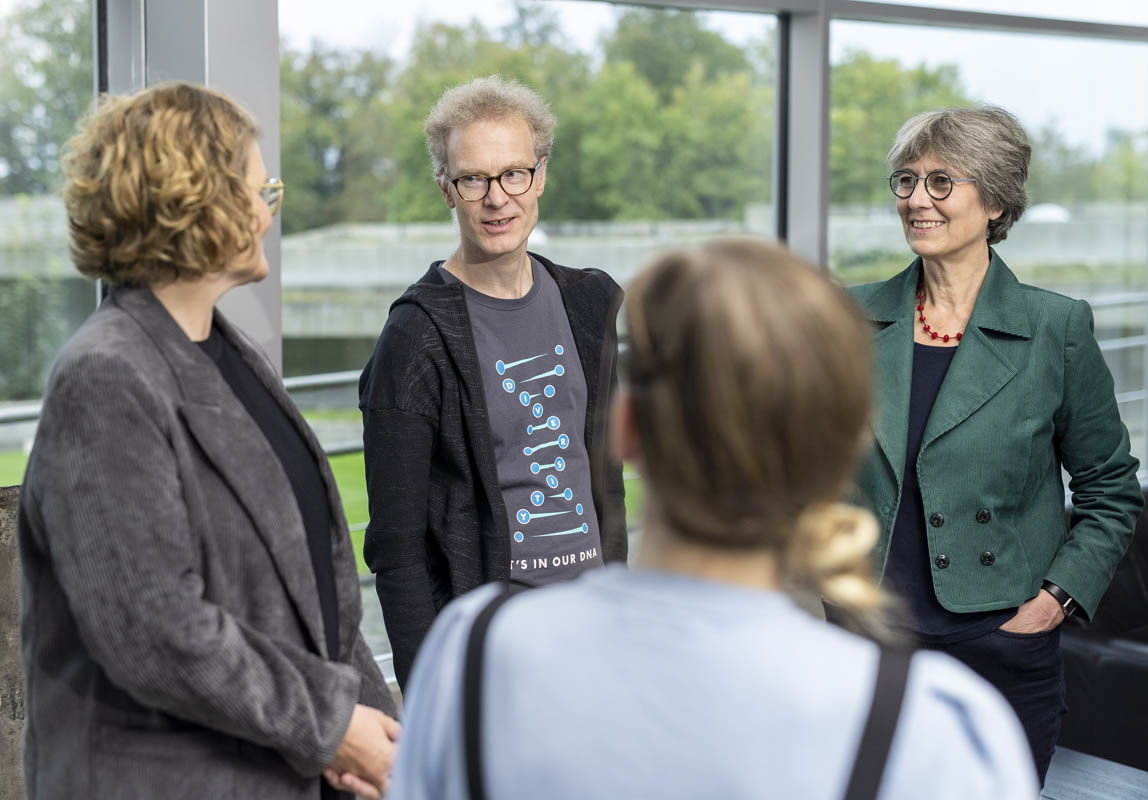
{"points": [[472, 695], [877, 738]]}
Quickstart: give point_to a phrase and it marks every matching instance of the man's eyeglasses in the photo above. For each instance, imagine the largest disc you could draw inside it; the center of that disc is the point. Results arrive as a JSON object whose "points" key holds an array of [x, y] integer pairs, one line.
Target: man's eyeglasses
{"points": [[514, 181], [938, 183], [271, 193]]}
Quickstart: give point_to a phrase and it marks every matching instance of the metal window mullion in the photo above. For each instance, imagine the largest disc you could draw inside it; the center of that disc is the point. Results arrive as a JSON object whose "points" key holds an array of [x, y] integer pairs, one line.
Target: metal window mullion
{"points": [[1144, 386], [781, 129], [807, 184]]}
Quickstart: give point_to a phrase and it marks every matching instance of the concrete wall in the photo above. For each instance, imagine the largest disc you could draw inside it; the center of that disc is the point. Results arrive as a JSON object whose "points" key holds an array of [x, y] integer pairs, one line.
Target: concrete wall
{"points": [[11, 673]]}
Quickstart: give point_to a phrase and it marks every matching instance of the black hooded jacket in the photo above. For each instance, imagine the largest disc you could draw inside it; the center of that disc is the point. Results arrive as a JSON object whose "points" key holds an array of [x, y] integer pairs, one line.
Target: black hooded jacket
{"points": [[438, 524]]}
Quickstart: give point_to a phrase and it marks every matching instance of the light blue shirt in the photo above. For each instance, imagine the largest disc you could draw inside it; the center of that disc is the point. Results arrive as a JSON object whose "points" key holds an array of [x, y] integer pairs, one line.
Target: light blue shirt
{"points": [[641, 684]]}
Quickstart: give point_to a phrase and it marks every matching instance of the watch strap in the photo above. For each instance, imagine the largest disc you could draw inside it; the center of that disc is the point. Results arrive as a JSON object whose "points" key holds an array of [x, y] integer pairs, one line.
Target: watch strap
{"points": [[1067, 604]]}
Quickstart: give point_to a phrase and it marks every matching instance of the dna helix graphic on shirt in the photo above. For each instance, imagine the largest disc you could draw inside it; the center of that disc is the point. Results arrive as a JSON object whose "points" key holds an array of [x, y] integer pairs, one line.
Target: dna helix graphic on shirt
{"points": [[545, 458]]}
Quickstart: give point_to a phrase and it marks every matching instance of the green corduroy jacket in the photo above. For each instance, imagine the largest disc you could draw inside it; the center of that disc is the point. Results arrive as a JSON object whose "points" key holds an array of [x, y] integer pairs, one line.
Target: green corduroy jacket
{"points": [[1027, 393]]}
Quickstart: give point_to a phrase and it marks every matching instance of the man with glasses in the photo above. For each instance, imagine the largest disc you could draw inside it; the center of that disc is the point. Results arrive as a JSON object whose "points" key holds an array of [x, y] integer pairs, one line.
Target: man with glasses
{"points": [[485, 402]]}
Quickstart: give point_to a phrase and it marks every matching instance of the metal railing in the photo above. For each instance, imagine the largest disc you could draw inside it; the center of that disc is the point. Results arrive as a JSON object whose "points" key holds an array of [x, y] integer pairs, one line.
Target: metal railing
{"points": [[332, 380], [324, 380], [25, 413], [328, 380]]}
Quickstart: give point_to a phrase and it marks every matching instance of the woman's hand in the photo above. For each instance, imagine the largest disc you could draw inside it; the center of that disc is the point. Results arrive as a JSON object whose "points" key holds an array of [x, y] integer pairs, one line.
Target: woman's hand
{"points": [[1041, 613], [363, 761], [349, 782]]}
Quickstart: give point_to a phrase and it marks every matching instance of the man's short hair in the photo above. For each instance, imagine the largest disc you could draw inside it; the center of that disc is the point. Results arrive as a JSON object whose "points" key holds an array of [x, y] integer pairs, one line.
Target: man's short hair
{"points": [[484, 99]]}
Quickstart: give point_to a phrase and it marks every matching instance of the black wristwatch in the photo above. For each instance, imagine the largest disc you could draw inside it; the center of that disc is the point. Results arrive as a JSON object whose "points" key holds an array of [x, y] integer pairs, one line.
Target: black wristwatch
{"points": [[1067, 604]]}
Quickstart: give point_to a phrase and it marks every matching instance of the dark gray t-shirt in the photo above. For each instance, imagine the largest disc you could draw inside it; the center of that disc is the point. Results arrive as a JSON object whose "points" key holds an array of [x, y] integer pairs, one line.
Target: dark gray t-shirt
{"points": [[536, 401]]}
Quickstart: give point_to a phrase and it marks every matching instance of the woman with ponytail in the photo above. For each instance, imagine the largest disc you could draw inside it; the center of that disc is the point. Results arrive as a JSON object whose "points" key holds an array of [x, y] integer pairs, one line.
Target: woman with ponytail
{"points": [[745, 408]]}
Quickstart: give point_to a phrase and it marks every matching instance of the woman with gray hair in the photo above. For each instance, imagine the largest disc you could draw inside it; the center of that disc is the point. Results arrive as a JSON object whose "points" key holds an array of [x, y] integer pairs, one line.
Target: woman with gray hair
{"points": [[986, 390]]}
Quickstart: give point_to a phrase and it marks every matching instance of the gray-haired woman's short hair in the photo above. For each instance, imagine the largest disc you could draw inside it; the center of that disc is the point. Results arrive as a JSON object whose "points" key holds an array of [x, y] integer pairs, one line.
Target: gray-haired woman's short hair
{"points": [[986, 143], [481, 99]]}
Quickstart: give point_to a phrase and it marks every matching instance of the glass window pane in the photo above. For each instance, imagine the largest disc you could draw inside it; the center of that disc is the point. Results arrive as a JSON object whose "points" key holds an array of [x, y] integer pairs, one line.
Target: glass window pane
{"points": [[45, 86], [665, 129], [1085, 233], [1118, 12], [655, 144]]}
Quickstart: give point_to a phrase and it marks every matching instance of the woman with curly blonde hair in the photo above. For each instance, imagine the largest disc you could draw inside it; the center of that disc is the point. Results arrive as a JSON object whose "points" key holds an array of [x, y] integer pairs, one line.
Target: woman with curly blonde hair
{"points": [[191, 605], [745, 408]]}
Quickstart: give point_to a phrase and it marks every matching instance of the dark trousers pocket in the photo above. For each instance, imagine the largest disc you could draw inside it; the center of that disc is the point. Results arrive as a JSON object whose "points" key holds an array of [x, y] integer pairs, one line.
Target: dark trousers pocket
{"points": [[1027, 668]]}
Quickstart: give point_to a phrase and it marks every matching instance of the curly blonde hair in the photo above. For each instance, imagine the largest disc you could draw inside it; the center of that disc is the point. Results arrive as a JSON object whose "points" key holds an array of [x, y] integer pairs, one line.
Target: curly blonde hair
{"points": [[156, 187], [750, 377]]}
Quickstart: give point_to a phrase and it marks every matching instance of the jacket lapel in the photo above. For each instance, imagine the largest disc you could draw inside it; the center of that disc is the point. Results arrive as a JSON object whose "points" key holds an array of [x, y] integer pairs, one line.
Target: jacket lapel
{"points": [[237, 449], [240, 453], [891, 309], [980, 367]]}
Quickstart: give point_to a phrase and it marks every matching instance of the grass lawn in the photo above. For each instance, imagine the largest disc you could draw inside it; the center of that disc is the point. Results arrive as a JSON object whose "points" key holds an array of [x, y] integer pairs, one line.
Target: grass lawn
{"points": [[348, 471], [12, 463], [333, 415]]}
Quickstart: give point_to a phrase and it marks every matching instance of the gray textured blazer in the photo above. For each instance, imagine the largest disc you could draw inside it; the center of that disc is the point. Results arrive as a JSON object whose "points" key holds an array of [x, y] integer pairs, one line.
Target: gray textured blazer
{"points": [[172, 638]]}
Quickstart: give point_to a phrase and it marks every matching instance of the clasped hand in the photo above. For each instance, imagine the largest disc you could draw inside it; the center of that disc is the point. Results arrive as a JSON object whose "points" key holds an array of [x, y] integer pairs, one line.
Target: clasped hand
{"points": [[364, 759]]}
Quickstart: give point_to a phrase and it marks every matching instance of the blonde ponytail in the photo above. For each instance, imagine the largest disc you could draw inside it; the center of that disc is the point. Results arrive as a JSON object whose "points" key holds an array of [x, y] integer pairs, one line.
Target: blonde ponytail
{"points": [[830, 555]]}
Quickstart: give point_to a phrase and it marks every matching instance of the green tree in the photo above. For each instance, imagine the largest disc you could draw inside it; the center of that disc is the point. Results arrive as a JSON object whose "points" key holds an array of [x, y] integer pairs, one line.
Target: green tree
{"points": [[534, 25], [46, 84], [665, 44], [334, 161], [1059, 172], [717, 147], [1122, 173], [618, 154]]}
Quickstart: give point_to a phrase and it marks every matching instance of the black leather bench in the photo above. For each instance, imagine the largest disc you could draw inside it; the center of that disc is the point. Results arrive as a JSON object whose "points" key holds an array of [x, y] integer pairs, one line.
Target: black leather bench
{"points": [[1106, 667]]}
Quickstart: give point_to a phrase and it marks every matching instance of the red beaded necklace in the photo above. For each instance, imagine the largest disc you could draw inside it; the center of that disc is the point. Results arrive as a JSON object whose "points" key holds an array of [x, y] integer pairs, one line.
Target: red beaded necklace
{"points": [[921, 315]]}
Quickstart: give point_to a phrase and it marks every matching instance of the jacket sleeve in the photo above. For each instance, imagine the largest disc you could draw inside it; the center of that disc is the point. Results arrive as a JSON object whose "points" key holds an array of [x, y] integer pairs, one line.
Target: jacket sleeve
{"points": [[373, 690], [110, 511], [431, 763], [615, 542], [1094, 449], [398, 443]]}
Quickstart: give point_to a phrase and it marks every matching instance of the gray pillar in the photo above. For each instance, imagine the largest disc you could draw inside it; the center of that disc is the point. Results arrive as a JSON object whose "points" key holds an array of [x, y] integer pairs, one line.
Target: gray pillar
{"points": [[11, 671], [233, 47], [809, 136]]}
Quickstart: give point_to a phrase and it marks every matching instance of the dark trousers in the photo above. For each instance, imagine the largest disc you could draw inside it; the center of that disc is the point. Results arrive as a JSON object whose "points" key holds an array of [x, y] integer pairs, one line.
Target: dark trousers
{"points": [[1028, 669]]}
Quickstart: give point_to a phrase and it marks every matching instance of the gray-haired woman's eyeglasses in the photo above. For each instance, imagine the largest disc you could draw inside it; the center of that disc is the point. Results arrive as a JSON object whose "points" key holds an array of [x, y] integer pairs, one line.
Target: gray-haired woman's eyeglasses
{"points": [[938, 183]]}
